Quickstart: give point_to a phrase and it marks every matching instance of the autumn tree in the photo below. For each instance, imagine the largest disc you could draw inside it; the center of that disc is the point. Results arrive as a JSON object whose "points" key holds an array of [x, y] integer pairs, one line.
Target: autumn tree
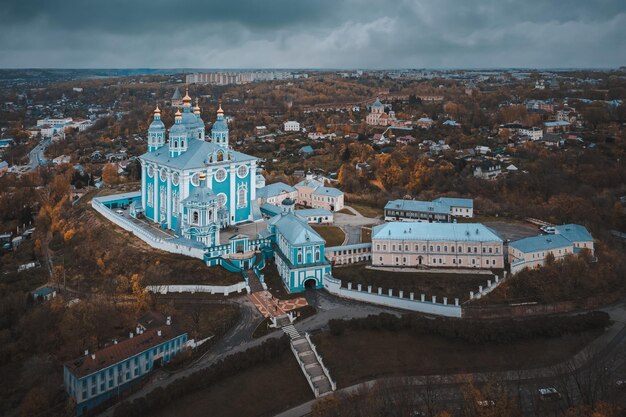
{"points": [[109, 174], [142, 296]]}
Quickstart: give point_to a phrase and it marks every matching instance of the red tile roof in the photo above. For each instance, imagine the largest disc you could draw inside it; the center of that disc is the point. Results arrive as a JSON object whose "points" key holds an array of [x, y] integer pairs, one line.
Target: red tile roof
{"points": [[125, 349]]}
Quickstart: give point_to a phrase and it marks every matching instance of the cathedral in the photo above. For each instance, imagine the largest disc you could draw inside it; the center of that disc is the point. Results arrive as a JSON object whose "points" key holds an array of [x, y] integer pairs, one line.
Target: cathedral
{"points": [[192, 184]]}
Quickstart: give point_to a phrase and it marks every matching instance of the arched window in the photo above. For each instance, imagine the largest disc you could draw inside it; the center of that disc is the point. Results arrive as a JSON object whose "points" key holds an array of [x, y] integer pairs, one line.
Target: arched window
{"points": [[196, 217], [241, 197], [220, 156], [182, 143]]}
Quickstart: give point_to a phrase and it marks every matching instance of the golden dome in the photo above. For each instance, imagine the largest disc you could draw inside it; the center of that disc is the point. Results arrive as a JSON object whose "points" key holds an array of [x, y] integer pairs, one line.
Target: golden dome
{"points": [[219, 110], [178, 113], [196, 109], [157, 110], [187, 99], [202, 176]]}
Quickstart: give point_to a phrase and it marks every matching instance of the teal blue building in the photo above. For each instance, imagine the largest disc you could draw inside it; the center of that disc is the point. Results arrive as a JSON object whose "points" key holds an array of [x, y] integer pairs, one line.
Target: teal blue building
{"points": [[181, 161], [298, 250], [97, 377]]}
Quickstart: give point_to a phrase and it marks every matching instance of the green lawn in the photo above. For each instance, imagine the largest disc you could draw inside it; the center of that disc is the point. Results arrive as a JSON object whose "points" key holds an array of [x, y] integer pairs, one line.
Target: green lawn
{"points": [[443, 284], [361, 355], [263, 390], [333, 235], [367, 211], [346, 211]]}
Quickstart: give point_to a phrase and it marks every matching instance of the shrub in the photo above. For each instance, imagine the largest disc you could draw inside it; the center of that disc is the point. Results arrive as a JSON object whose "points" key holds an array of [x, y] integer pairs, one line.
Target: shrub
{"points": [[478, 331]]}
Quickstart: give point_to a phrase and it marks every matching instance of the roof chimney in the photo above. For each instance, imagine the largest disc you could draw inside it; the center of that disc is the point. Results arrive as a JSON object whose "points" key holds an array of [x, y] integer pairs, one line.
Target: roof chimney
{"points": [[93, 356], [159, 333], [130, 335], [168, 320], [115, 341], [86, 352]]}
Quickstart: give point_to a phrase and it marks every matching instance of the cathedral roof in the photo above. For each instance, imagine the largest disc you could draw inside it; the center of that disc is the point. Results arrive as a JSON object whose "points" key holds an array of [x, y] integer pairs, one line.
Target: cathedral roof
{"points": [[178, 129], [220, 125], [195, 157], [200, 195], [295, 230], [156, 125], [190, 120]]}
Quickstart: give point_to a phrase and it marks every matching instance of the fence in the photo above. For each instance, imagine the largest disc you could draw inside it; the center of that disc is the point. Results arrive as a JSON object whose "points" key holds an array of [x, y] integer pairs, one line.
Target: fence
{"points": [[145, 235], [306, 374], [212, 289], [333, 286], [491, 285], [333, 384]]}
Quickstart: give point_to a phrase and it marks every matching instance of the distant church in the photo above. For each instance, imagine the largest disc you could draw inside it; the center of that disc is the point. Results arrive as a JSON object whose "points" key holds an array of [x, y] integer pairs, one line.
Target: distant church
{"points": [[195, 185]]}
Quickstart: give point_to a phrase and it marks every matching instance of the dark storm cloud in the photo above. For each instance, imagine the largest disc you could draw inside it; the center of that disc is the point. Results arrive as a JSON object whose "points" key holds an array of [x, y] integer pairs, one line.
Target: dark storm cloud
{"points": [[321, 33]]}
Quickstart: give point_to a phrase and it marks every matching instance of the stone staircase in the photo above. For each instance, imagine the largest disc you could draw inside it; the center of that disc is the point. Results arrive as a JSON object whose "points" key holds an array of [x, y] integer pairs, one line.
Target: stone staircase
{"points": [[310, 362], [291, 331]]}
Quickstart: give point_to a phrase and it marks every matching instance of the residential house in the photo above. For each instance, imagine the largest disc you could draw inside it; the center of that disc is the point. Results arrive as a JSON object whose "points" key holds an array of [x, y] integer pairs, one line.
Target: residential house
{"points": [[291, 126], [557, 126], [488, 170], [44, 294], [425, 122], [534, 133], [306, 151]]}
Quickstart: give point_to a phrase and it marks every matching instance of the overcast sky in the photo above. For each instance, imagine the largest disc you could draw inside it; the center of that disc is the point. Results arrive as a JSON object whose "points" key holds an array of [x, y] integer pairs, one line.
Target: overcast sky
{"points": [[312, 34]]}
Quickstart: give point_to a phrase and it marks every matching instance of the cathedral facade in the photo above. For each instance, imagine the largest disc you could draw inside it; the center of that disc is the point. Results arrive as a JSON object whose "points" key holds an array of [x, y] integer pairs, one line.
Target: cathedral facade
{"points": [[192, 184]]}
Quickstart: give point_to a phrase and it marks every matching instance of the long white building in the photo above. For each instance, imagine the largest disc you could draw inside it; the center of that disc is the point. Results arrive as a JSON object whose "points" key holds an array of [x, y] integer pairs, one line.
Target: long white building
{"points": [[451, 245]]}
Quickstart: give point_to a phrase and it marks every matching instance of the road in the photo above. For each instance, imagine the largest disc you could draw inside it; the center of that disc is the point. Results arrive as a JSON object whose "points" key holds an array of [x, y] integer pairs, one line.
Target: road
{"points": [[351, 225], [36, 156]]}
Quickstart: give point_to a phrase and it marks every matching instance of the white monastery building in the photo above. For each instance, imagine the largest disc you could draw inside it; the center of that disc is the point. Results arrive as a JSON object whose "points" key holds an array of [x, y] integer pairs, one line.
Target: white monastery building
{"points": [[451, 245]]}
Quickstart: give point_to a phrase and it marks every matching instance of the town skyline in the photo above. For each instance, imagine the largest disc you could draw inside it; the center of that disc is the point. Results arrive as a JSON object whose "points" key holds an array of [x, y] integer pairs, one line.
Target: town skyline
{"points": [[348, 34]]}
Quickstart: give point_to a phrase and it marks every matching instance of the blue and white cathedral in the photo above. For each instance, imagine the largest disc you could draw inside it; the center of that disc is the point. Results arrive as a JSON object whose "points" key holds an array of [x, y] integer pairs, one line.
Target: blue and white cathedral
{"points": [[195, 185]]}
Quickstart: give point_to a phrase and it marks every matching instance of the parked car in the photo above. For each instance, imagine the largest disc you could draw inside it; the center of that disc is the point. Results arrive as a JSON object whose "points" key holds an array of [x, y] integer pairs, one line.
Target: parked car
{"points": [[549, 394], [120, 212], [620, 383], [548, 229]]}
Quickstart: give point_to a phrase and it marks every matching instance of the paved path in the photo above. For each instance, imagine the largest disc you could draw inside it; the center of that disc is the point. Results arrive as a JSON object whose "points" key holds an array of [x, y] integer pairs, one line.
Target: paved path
{"points": [[351, 225]]}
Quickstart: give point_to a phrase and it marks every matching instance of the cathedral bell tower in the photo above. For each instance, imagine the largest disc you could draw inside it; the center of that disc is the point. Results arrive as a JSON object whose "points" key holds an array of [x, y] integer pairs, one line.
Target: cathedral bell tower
{"points": [[178, 136], [219, 131], [156, 132]]}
